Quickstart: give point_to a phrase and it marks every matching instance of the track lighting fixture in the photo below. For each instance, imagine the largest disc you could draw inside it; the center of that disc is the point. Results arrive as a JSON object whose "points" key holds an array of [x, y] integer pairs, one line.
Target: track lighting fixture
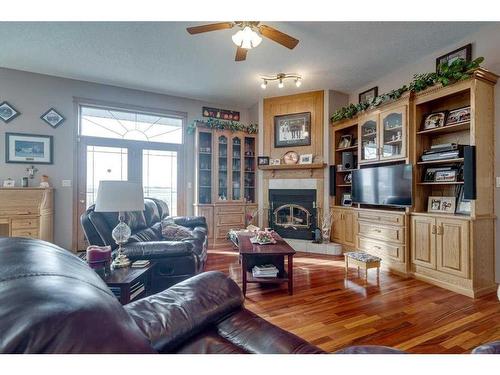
{"points": [[281, 77]]}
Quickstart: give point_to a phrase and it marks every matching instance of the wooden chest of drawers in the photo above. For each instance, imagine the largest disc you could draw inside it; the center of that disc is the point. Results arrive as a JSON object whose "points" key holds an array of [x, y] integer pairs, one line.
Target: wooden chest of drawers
{"points": [[27, 212]]}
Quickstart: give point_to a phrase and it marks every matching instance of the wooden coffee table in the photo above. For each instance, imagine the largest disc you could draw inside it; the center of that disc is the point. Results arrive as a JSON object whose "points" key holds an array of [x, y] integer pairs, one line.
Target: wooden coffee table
{"points": [[254, 254]]}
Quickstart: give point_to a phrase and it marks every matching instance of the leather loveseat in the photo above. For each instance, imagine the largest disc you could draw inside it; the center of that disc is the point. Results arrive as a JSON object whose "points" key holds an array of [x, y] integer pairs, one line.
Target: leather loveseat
{"points": [[52, 302], [175, 260]]}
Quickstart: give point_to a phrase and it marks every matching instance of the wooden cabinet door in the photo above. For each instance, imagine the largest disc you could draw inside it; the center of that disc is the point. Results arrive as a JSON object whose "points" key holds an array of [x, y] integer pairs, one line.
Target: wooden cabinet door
{"points": [[337, 226], [452, 246], [423, 241], [369, 145], [349, 221], [392, 134]]}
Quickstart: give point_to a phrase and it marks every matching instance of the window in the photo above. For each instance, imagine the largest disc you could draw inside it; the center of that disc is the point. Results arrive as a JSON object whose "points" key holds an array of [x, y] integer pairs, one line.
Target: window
{"points": [[120, 124]]}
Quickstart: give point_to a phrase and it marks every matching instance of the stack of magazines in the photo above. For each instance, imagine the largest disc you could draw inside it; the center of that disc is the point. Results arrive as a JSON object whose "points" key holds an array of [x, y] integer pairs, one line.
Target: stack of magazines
{"points": [[266, 270]]}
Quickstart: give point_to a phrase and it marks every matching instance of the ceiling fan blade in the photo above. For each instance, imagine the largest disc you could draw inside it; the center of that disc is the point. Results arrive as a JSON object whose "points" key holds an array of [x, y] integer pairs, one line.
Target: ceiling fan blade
{"points": [[241, 54], [210, 27], [278, 36]]}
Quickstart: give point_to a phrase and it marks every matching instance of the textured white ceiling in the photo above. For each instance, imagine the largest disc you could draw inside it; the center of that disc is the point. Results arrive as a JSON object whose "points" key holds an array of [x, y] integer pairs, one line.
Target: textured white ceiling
{"points": [[162, 57]]}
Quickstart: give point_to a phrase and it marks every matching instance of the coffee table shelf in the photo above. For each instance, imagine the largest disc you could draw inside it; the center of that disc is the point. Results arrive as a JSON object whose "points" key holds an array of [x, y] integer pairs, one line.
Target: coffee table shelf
{"points": [[283, 278]]}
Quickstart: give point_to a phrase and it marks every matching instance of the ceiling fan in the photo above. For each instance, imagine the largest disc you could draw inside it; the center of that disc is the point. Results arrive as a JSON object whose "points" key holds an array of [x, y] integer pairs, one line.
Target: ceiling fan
{"points": [[248, 36]]}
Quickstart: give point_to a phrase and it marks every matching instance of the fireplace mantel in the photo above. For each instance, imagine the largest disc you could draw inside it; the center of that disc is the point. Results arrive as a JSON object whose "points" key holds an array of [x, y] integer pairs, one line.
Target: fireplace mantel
{"points": [[274, 168]]}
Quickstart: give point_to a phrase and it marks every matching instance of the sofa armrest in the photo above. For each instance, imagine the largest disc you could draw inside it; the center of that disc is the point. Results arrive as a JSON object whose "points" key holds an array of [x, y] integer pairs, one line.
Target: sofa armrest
{"points": [[157, 249], [180, 312], [489, 348], [190, 221]]}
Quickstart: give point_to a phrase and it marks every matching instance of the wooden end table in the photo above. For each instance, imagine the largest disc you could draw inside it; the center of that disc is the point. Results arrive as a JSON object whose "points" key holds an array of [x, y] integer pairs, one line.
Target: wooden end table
{"points": [[129, 284], [255, 254]]}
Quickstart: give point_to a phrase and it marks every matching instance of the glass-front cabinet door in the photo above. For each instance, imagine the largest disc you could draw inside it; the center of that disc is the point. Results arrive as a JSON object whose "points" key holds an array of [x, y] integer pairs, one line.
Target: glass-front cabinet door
{"points": [[249, 179], [393, 133], [236, 168], [368, 130], [223, 166]]}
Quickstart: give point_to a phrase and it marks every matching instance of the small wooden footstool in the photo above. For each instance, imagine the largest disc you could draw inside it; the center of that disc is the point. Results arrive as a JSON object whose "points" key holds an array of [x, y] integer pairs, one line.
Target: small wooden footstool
{"points": [[363, 260]]}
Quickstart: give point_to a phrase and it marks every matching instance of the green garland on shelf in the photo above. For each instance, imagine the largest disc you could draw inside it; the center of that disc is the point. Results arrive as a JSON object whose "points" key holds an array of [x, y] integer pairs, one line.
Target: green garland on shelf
{"points": [[217, 124], [447, 73]]}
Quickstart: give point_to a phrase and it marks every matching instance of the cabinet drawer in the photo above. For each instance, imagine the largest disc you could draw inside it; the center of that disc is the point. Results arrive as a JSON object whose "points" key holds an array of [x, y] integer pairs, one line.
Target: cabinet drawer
{"points": [[30, 233], [382, 217], [227, 219], [377, 231], [25, 223], [382, 249], [230, 210]]}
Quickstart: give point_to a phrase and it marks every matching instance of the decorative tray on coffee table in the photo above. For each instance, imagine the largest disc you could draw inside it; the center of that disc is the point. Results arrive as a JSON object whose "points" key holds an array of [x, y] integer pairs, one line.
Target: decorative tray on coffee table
{"points": [[263, 238]]}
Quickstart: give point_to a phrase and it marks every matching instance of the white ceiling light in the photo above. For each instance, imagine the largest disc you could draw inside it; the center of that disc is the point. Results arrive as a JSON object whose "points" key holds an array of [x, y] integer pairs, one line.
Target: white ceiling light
{"points": [[246, 38], [281, 77]]}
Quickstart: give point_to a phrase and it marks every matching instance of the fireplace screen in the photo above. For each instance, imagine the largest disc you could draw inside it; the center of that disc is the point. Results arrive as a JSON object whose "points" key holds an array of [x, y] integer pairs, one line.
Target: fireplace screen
{"points": [[292, 216]]}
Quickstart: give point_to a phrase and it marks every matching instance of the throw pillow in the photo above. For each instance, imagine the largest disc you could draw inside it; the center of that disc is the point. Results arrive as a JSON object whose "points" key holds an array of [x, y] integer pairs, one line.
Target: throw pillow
{"points": [[174, 232]]}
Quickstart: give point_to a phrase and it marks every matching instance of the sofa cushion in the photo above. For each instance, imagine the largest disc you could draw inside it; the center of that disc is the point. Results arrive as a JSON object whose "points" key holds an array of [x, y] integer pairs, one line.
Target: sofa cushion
{"points": [[151, 212]]}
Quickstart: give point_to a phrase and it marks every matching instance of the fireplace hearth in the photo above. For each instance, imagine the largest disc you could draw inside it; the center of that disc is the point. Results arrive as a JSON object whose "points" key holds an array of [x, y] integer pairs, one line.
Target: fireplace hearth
{"points": [[292, 212]]}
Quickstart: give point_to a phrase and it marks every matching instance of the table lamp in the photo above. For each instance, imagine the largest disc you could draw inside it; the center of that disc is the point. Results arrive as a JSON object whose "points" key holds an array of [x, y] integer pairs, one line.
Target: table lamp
{"points": [[120, 196]]}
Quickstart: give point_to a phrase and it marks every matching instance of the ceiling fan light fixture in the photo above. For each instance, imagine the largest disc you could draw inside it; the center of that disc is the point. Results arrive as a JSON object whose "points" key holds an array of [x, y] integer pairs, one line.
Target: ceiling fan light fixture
{"points": [[298, 81], [263, 85], [281, 84], [246, 38]]}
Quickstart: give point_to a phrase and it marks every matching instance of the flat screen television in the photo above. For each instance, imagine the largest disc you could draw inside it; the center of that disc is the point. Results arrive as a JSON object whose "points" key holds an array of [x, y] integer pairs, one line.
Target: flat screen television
{"points": [[383, 186]]}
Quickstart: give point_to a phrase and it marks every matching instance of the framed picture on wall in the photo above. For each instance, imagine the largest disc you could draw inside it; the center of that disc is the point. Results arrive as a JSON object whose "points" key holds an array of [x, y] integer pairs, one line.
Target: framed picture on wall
{"points": [[292, 130], [464, 52], [368, 95], [28, 148]]}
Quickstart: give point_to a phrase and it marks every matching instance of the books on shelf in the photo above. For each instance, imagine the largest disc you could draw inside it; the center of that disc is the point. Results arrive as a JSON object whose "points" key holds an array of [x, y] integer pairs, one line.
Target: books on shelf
{"points": [[140, 263], [266, 270]]}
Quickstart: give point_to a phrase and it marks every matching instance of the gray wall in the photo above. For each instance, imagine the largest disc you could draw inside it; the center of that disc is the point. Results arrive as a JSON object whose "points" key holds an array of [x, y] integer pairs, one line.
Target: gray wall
{"points": [[33, 94], [486, 43]]}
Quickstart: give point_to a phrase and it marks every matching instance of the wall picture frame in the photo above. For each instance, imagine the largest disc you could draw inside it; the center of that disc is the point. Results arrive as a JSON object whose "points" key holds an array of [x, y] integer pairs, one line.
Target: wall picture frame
{"points": [[29, 148], [444, 205], [263, 160], [8, 112], [368, 95], [53, 118], [464, 52], [306, 159], [346, 200], [292, 130], [223, 114]]}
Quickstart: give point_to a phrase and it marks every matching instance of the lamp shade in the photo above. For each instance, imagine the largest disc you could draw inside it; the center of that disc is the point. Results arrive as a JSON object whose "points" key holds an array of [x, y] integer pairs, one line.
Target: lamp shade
{"points": [[119, 196]]}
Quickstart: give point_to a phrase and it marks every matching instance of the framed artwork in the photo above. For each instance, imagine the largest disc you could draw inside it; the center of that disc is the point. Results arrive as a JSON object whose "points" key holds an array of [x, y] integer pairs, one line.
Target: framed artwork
{"points": [[441, 205], [53, 118], [434, 120], [275, 162], [8, 112], [28, 148], [346, 199], [292, 130], [458, 116], [368, 95], [463, 205], [263, 160], [446, 176], [223, 114], [306, 159], [464, 52], [345, 141]]}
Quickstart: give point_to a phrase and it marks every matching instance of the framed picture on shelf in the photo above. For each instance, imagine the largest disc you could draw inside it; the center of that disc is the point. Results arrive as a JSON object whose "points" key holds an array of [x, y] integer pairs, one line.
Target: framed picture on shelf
{"points": [[444, 205], [28, 148], [446, 175], [458, 116], [263, 160], [348, 178], [346, 199], [368, 95], [434, 120], [464, 52], [306, 159], [345, 141], [463, 205], [292, 130], [8, 183], [275, 162]]}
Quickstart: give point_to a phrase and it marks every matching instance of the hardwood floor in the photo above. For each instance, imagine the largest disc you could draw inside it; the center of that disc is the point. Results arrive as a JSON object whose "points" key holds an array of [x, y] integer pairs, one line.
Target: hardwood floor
{"points": [[332, 312]]}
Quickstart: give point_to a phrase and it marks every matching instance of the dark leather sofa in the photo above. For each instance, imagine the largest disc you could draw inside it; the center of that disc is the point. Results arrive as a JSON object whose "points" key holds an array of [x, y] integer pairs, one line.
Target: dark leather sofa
{"points": [[176, 260], [52, 302]]}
